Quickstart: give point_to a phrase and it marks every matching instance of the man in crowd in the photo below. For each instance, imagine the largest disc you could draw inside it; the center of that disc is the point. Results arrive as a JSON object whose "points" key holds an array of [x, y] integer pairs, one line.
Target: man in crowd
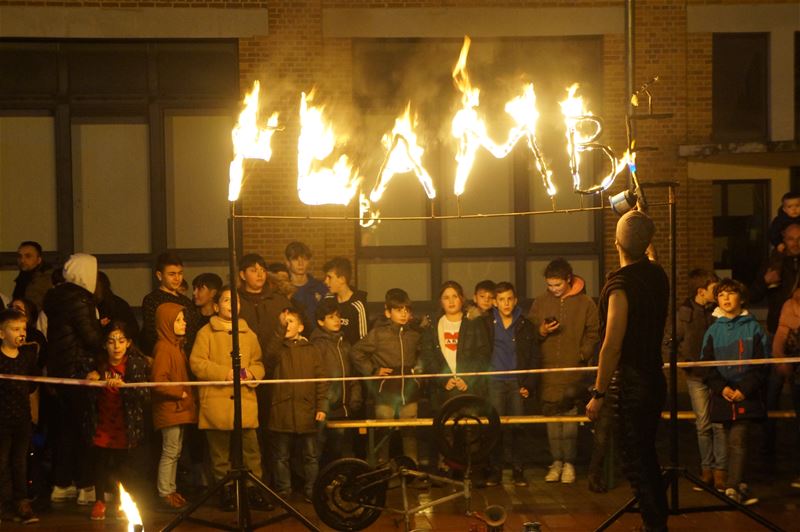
{"points": [[33, 280]]}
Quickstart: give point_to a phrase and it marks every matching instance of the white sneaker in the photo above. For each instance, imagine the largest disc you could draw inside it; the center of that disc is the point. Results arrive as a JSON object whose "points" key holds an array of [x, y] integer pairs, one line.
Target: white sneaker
{"points": [[554, 473], [568, 473], [86, 496], [60, 494]]}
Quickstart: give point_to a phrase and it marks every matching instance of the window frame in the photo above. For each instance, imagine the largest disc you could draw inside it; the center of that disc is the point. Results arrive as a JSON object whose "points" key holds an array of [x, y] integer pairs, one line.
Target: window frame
{"points": [[150, 108]]}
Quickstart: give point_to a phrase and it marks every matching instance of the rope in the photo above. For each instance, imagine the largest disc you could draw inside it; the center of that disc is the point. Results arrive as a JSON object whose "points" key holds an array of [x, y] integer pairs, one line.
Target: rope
{"points": [[102, 384]]}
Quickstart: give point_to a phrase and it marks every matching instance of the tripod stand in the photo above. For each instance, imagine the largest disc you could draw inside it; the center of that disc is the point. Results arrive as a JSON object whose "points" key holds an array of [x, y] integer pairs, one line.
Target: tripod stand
{"points": [[239, 475], [674, 472]]}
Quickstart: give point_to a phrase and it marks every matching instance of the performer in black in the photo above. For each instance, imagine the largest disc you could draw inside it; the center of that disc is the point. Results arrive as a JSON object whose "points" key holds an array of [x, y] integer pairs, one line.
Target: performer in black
{"points": [[633, 311]]}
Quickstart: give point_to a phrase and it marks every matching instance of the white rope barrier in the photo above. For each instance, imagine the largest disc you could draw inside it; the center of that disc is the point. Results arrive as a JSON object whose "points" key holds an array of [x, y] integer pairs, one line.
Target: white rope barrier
{"points": [[102, 384]]}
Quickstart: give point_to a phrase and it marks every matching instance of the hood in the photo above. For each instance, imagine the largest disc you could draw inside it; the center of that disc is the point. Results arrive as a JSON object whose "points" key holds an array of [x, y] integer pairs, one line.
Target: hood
{"points": [[81, 269], [578, 287], [165, 322]]}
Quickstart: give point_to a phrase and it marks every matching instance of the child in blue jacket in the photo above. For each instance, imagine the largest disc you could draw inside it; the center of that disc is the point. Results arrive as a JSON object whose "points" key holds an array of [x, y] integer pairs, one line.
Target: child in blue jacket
{"points": [[737, 392]]}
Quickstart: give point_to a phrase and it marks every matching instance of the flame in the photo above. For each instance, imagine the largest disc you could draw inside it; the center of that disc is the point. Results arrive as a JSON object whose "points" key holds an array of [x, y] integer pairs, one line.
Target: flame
{"points": [[323, 185], [403, 155], [583, 129], [130, 509], [366, 216], [249, 140], [470, 128]]}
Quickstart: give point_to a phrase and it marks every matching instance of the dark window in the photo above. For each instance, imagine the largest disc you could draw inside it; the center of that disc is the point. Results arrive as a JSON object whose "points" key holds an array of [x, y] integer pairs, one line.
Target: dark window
{"points": [[741, 219], [739, 86], [797, 85], [125, 118]]}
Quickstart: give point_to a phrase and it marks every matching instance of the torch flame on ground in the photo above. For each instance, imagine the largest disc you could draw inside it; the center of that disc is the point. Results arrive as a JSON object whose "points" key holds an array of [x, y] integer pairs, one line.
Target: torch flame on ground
{"points": [[318, 184], [403, 155], [249, 140], [470, 128], [131, 511], [582, 129]]}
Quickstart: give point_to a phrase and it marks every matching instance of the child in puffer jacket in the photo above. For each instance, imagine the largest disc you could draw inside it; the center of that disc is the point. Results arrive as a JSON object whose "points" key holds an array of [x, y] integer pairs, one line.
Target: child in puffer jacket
{"points": [[737, 396]]}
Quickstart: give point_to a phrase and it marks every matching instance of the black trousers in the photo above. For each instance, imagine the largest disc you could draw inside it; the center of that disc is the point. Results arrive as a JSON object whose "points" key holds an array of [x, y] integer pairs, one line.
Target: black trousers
{"points": [[641, 398], [14, 443], [70, 460]]}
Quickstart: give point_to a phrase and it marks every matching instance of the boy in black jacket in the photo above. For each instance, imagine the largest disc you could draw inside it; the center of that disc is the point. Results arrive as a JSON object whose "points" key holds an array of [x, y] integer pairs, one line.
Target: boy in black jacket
{"points": [[694, 318], [392, 348], [344, 397]]}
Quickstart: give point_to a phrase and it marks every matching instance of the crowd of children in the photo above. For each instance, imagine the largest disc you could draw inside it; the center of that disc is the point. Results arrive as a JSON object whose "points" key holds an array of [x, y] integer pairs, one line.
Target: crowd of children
{"points": [[293, 326]]}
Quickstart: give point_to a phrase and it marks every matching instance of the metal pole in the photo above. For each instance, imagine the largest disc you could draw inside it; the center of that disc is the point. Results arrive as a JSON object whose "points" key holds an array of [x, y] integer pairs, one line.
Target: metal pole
{"points": [[236, 361], [673, 350]]}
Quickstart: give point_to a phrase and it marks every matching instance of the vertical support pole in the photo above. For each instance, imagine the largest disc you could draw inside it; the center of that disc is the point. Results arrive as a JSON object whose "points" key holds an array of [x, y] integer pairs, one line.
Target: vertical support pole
{"points": [[236, 361], [673, 352]]}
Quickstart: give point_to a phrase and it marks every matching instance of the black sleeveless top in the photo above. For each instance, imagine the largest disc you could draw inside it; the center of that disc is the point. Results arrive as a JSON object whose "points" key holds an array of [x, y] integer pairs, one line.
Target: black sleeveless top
{"points": [[647, 289]]}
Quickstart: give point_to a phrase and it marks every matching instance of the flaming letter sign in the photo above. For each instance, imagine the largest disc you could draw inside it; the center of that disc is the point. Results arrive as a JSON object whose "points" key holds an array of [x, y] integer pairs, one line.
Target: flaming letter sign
{"points": [[575, 118], [249, 141], [470, 129], [317, 184]]}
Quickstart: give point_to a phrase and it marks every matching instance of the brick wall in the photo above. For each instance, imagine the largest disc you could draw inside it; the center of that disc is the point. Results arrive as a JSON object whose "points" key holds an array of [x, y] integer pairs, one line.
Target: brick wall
{"points": [[294, 56]]}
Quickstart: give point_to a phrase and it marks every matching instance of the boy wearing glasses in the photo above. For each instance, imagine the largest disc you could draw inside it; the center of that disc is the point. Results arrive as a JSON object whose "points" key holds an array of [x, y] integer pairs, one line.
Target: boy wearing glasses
{"points": [[390, 349]]}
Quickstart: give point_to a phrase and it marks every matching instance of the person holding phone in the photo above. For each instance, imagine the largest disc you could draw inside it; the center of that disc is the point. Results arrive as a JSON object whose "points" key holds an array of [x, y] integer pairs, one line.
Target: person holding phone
{"points": [[567, 326]]}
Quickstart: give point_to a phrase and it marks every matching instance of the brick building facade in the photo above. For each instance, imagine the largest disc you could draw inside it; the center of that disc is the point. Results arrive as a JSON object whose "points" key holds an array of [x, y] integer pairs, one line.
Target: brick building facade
{"points": [[292, 45]]}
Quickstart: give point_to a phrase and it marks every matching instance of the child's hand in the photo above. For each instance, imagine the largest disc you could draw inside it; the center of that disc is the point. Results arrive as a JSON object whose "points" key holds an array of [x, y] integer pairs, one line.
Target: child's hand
{"points": [[382, 372], [738, 396], [524, 392], [320, 416], [113, 382], [460, 384], [728, 393], [93, 376], [451, 383], [184, 395]]}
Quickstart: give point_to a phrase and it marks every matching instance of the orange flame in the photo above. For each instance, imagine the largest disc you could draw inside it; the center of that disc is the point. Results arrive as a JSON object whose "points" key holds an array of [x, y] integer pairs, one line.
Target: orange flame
{"points": [[317, 184], [249, 140], [403, 155], [129, 507], [583, 129], [470, 128]]}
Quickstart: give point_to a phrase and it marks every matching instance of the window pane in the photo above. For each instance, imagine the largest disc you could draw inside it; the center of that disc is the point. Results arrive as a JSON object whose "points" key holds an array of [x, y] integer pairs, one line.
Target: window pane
{"points": [[404, 195], [489, 190], [739, 86], [560, 227], [412, 276], [27, 182], [111, 188], [198, 152], [7, 281], [740, 199], [131, 283], [470, 273], [586, 268]]}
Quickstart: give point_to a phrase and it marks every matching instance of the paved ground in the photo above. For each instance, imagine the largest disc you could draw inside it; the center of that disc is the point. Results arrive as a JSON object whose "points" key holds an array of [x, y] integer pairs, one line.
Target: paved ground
{"points": [[557, 507]]}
